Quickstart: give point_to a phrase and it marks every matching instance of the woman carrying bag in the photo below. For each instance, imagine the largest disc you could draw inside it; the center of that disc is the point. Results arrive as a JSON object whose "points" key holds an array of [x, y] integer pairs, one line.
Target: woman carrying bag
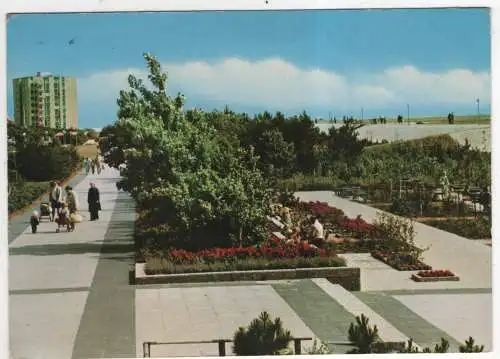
{"points": [[72, 204]]}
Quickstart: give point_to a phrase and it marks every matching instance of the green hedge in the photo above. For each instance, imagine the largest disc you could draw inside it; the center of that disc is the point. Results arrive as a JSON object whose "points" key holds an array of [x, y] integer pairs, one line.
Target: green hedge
{"points": [[45, 163], [310, 183], [23, 194], [157, 265], [469, 228]]}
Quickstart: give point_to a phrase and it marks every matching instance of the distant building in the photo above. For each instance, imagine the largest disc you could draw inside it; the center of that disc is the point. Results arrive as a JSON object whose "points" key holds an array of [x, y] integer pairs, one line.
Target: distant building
{"points": [[45, 100]]}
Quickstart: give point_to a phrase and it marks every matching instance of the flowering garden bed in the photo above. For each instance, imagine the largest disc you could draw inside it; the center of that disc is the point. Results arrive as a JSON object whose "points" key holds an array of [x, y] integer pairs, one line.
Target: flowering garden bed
{"points": [[434, 276], [399, 261], [271, 255], [334, 219]]}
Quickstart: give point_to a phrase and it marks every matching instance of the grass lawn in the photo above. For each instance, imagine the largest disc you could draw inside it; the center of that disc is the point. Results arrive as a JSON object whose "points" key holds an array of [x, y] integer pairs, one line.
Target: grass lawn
{"points": [[459, 120]]}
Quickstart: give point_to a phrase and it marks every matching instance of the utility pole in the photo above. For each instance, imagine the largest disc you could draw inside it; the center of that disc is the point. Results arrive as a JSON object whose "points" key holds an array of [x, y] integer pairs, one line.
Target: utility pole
{"points": [[477, 119], [362, 113], [408, 112]]}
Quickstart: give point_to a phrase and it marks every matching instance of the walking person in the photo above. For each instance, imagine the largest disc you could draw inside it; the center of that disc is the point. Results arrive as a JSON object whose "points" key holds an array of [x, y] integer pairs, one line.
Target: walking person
{"points": [[94, 202], [72, 203], [86, 164], [98, 165], [55, 198], [92, 165]]}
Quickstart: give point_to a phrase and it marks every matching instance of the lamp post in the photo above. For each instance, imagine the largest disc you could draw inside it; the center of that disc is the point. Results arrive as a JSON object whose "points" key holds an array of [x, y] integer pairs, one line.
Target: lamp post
{"points": [[408, 112], [477, 119], [362, 113]]}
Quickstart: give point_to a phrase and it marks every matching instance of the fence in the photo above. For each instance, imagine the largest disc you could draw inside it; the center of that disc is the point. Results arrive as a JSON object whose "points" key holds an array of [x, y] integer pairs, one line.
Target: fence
{"points": [[146, 346]]}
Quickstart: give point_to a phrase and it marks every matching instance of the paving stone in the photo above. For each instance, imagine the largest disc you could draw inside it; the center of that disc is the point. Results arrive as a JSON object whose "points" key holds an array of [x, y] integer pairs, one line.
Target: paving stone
{"points": [[107, 326], [325, 316], [407, 321], [210, 313], [459, 315]]}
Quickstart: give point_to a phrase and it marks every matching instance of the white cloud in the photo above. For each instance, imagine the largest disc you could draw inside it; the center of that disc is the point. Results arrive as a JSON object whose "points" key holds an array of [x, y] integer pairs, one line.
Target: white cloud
{"points": [[275, 83]]}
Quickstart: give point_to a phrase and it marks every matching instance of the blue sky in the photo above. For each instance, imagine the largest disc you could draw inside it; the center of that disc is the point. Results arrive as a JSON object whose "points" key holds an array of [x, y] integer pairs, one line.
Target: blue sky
{"points": [[322, 61]]}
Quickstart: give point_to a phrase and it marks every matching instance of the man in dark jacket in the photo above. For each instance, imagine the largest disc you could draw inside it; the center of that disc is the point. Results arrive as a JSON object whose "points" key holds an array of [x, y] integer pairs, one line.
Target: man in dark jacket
{"points": [[94, 202]]}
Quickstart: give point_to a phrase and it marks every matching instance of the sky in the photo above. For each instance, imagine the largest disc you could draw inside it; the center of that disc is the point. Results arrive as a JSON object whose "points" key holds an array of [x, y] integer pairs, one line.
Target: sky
{"points": [[328, 62]]}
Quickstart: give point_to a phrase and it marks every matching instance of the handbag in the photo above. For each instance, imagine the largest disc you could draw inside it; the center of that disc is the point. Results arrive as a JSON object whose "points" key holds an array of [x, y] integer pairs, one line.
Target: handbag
{"points": [[75, 218]]}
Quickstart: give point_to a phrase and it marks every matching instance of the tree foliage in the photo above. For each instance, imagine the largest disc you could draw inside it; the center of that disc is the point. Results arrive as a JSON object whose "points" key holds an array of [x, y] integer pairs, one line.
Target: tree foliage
{"points": [[207, 191]]}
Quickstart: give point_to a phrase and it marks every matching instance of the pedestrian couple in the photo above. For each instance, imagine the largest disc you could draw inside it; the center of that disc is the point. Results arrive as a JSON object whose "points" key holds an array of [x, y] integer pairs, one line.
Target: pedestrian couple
{"points": [[65, 206], [68, 205]]}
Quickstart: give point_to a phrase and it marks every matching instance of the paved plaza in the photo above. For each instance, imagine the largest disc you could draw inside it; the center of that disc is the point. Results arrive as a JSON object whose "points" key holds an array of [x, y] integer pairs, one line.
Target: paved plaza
{"points": [[70, 295]]}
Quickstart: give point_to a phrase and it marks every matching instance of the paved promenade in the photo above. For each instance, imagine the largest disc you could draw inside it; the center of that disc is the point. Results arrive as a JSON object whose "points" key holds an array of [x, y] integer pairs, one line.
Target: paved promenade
{"points": [[55, 279], [70, 295]]}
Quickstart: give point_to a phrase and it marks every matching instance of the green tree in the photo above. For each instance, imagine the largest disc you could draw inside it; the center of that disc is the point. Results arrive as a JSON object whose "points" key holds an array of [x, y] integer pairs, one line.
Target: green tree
{"points": [[277, 156], [262, 337], [179, 169]]}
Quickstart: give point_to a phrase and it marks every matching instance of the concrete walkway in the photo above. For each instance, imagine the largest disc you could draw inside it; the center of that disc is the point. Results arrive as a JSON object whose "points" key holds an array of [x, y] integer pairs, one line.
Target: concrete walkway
{"points": [[70, 295], [470, 260], [52, 279]]}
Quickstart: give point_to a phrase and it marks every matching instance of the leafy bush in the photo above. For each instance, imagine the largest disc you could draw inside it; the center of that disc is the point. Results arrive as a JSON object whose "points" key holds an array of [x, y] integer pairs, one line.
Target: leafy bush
{"points": [[45, 163], [301, 182], [24, 193], [425, 159], [401, 207], [479, 228], [262, 337], [397, 235]]}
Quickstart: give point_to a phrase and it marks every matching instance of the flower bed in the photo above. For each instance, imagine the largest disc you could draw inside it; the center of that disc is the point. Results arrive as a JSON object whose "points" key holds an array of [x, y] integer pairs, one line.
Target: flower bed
{"points": [[271, 255], [328, 215], [272, 249], [434, 276], [399, 261]]}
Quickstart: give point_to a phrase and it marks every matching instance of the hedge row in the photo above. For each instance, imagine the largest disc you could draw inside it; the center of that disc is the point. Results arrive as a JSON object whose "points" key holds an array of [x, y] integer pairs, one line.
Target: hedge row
{"points": [[23, 194]]}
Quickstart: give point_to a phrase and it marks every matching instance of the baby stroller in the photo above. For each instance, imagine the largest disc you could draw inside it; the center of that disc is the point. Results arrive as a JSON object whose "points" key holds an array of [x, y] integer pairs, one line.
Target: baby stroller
{"points": [[45, 211]]}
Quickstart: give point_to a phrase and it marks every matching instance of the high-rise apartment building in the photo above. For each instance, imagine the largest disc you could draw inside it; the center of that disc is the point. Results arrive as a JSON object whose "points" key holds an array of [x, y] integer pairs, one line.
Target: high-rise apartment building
{"points": [[45, 100]]}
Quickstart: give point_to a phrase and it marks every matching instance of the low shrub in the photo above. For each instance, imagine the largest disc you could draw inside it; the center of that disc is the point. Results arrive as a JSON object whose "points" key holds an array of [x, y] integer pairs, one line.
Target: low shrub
{"points": [[310, 183], [362, 336], [262, 337], [24, 193], [479, 228], [158, 265]]}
